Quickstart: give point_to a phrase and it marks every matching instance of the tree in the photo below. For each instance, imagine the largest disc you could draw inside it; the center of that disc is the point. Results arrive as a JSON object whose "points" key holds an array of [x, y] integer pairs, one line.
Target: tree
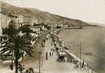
{"points": [[11, 30], [16, 44], [25, 29], [19, 46]]}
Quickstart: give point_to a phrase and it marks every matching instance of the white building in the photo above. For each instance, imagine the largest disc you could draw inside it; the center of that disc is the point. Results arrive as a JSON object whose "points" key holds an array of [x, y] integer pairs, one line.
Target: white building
{"points": [[0, 26], [4, 20], [20, 19], [34, 21]]}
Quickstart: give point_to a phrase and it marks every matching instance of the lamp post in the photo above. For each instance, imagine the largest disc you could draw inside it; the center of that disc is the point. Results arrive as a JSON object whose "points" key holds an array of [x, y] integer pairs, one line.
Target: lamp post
{"points": [[39, 61], [80, 55]]}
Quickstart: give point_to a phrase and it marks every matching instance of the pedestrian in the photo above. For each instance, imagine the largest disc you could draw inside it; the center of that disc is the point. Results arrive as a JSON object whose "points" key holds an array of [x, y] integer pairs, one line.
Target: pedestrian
{"points": [[46, 55], [43, 40], [50, 54], [82, 64], [42, 44], [31, 70], [51, 49], [56, 48], [76, 65], [11, 66], [21, 68]]}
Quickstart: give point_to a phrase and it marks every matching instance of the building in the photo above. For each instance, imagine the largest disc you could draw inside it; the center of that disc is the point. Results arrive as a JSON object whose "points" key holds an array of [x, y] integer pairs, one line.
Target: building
{"points": [[19, 20], [0, 31], [0, 28], [34, 21], [4, 20]]}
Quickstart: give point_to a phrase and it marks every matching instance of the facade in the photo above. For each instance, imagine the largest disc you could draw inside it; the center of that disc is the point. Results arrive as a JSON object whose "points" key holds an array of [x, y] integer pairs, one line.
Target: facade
{"points": [[19, 20], [4, 20], [34, 21], [0, 28]]}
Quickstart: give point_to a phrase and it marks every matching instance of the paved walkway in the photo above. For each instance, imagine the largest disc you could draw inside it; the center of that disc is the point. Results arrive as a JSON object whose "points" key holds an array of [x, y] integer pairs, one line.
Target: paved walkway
{"points": [[4, 68], [52, 66]]}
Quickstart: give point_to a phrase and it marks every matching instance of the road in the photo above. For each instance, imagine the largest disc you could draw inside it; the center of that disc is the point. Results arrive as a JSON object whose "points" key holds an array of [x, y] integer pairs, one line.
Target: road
{"points": [[52, 66]]}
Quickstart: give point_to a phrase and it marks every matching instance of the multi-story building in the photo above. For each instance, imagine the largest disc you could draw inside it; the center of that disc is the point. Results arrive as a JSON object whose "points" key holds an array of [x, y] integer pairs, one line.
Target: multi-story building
{"points": [[0, 28], [19, 20], [4, 20]]}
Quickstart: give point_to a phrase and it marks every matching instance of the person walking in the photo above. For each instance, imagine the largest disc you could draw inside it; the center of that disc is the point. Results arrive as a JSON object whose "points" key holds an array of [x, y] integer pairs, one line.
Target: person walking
{"points": [[11, 66], [82, 64], [46, 55], [50, 54], [76, 65], [21, 68]]}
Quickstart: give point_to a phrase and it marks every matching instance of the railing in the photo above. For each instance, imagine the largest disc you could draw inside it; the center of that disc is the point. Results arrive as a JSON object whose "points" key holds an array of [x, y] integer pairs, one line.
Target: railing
{"points": [[79, 60]]}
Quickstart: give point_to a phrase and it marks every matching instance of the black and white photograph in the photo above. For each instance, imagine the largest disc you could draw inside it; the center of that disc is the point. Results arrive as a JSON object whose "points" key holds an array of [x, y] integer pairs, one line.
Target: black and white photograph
{"points": [[52, 36]]}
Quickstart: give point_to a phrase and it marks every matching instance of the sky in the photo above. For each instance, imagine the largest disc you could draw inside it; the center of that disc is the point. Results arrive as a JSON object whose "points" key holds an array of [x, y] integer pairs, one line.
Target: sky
{"points": [[85, 10]]}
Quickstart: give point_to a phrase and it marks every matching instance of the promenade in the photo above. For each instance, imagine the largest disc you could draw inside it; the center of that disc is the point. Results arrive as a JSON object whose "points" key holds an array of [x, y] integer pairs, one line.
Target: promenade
{"points": [[51, 65]]}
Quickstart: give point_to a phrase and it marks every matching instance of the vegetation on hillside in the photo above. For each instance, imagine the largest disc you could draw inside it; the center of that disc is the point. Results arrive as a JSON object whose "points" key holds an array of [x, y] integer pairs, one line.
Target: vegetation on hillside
{"points": [[40, 16]]}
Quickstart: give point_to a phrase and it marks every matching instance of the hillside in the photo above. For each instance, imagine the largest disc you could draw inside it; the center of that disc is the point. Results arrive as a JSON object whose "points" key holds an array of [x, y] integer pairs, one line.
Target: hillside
{"points": [[41, 16]]}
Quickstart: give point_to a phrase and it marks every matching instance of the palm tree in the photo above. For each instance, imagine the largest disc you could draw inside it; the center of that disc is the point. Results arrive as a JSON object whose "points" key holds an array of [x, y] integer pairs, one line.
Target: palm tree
{"points": [[16, 44], [11, 30], [19, 46], [25, 29]]}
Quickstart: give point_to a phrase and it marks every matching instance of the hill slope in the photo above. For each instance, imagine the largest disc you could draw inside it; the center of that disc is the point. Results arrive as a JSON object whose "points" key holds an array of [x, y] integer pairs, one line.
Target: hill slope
{"points": [[41, 16]]}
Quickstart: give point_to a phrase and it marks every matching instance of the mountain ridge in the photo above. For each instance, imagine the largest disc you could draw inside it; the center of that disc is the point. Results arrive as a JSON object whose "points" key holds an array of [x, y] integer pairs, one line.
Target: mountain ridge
{"points": [[41, 16]]}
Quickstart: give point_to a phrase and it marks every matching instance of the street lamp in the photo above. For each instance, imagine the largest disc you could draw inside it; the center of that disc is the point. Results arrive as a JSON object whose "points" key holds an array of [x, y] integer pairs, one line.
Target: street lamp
{"points": [[39, 61], [80, 55]]}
